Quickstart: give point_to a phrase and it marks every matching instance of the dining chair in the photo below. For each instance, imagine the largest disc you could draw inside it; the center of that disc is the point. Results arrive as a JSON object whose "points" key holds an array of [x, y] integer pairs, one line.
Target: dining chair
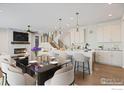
{"points": [[5, 59], [63, 76], [13, 75], [16, 76]]}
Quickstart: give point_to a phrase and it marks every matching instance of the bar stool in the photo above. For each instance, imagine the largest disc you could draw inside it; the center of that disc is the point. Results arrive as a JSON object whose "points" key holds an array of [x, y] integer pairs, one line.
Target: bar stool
{"points": [[80, 58]]}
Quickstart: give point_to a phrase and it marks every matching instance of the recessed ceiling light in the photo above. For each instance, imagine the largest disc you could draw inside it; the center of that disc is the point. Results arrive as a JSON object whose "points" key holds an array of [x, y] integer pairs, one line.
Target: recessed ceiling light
{"points": [[1, 11], [109, 15], [71, 18], [55, 27], [67, 25]]}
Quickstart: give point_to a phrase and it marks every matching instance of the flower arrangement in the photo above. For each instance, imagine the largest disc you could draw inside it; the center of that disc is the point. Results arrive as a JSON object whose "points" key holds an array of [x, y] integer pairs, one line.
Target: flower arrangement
{"points": [[35, 50]]}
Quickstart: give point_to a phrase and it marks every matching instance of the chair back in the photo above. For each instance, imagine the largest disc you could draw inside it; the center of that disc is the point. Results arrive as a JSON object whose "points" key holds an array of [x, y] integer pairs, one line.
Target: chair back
{"points": [[80, 57], [5, 58], [64, 76], [14, 78], [63, 57]]}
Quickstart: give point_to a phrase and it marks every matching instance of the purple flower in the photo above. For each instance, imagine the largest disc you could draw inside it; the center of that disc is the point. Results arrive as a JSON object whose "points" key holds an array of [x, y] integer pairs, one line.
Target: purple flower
{"points": [[36, 49]]}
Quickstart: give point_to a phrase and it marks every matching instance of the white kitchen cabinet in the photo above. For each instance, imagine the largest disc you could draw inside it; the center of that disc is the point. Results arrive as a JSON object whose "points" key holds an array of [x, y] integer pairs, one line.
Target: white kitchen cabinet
{"points": [[109, 32], [99, 33], [99, 57], [103, 57], [116, 57], [116, 33], [109, 57]]}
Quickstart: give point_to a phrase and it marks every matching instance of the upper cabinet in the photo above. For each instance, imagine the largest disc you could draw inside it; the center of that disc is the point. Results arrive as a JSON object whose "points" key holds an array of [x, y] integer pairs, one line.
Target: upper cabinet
{"points": [[109, 32], [116, 33], [99, 33]]}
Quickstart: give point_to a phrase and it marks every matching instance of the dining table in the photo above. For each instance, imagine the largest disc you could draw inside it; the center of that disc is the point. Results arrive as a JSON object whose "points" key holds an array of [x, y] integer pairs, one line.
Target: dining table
{"points": [[44, 70]]}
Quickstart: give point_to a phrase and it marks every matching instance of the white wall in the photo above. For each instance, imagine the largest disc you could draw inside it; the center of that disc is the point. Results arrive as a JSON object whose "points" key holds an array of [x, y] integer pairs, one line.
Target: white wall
{"points": [[122, 37], [91, 36], [4, 40]]}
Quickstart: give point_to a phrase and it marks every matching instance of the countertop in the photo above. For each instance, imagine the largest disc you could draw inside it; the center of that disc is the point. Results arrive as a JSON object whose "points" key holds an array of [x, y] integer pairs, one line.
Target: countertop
{"points": [[107, 50]]}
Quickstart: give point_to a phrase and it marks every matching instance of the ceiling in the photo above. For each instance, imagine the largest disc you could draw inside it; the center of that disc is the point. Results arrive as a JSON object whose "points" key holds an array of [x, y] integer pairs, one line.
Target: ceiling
{"points": [[45, 16]]}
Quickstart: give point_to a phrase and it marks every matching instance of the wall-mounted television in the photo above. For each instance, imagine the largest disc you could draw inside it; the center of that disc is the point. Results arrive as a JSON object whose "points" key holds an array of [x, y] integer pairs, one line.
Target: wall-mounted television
{"points": [[20, 36]]}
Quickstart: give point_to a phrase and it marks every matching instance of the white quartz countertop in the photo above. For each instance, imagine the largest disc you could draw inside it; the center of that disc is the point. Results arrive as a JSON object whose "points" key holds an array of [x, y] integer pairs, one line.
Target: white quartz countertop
{"points": [[107, 50], [88, 54]]}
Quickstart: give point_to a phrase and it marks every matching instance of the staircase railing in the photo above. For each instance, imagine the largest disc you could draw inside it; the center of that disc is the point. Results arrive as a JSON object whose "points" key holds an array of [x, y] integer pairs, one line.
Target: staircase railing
{"points": [[61, 44], [53, 43], [54, 40]]}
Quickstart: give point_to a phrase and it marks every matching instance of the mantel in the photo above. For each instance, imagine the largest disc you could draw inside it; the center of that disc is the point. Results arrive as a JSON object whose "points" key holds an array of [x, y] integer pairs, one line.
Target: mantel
{"points": [[20, 42]]}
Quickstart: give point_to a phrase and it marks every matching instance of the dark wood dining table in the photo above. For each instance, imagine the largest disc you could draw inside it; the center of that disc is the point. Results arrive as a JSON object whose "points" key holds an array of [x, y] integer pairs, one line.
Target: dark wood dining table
{"points": [[42, 72]]}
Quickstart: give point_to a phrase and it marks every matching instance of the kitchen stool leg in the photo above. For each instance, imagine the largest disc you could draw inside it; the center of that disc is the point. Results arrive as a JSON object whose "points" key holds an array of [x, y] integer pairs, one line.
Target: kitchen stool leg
{"points": [[74, 66], [88, 67], [83, 70], [3, 80], [77, 66]]}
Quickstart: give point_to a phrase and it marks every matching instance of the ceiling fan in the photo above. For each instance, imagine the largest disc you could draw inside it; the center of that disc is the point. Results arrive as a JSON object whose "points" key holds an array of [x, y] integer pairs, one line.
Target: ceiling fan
{"points": [[29, 30]]}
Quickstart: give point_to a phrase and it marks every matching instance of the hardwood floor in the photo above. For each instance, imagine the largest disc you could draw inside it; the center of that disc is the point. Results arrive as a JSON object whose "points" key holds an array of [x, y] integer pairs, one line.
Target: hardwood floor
{"points": [[0, 74], [102, 75]]}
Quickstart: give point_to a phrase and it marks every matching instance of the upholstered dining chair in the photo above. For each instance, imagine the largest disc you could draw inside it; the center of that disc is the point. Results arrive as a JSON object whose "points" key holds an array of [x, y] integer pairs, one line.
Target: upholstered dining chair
{"points": [[6, 59], [79, 59], [15, 76], [63, 76]]}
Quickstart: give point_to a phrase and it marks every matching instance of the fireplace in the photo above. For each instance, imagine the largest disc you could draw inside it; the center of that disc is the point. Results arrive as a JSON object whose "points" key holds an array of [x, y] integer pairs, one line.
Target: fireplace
{"points": [[20, 51], [21, 58]]}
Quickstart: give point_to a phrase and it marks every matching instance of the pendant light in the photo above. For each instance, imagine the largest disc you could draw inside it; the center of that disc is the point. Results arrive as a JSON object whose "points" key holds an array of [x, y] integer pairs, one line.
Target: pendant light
{"points": [[77, 25], [60, 25]]}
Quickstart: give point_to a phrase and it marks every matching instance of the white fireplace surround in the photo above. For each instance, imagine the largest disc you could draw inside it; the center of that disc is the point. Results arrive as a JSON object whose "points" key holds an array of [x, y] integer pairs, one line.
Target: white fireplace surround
{"points": [[6, 46]]}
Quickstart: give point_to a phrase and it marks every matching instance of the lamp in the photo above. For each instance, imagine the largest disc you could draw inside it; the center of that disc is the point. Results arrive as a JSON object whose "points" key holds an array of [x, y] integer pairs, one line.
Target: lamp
{"points": [[60, 25], [77, 25]]}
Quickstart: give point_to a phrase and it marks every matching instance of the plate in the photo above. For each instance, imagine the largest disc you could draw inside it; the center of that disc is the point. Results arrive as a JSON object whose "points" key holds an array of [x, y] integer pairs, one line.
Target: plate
{"points": [[53, 62]]}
